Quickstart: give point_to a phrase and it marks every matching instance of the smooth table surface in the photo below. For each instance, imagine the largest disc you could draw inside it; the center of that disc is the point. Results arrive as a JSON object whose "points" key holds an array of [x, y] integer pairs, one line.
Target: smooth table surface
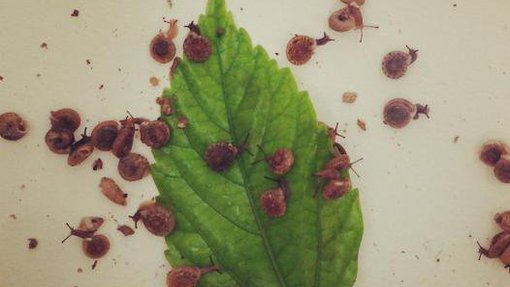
{"points": [[426, 199]]}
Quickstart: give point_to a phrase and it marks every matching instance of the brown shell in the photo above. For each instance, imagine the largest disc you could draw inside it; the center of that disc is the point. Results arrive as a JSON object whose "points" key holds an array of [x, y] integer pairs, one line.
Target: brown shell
{"points": [[59, 142], [80, 151], [186, 276], [104, 134], [91, 223], [162, 49], [123, 143], [133, 167], [154, 134], [281, 161], [66, 119], [96, 247], [220, 156], [336, 189], [112, 191], [492, 151], [300, 49], [273, 202], [126, 230], [502, 169], [12, 126], [395, 64], [157, 219], [340, 162], [398, 113], [197, 48], [342, 20]]}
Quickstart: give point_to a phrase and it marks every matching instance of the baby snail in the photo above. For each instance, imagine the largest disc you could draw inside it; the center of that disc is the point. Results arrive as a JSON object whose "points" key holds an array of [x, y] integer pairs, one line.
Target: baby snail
{"points": [[59, 142], [112, 191], [395, 63], [196, 47], [104, 134], [66, 120], [133, 167], [336, 166], [162, 47], [499, 243], [123, 143], [492, 151], [154, 134], [300, 48], [96, 247], [12, 126], [503, 220], [399, 112], [219, 156], [165, 104], [187, 276], [80, 150], [274, 200], [333, 133], [336, 188], [502, 169], [347, 19], [156, 219], [280, 162], [87, 229]]}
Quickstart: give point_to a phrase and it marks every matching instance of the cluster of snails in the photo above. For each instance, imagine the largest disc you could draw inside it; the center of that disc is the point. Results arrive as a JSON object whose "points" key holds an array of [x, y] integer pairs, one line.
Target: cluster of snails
{"points": [[196, 47], [110, 135], [335, 172], [156, 219], [300, 48], [496, 155], [500, 243]]}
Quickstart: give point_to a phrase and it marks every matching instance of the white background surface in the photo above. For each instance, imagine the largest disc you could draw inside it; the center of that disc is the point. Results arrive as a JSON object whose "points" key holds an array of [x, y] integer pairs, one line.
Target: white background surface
{"points": [[424, 197]]}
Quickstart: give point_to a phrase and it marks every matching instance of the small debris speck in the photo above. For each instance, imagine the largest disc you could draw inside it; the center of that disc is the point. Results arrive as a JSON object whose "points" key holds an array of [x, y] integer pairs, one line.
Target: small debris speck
{"points": [[94, 265], [349, 97], [455, 5], [1, 78], [22, 186], [277, 54], [87, 61], [101, 87], [98, 164], [38, 75], [44, 45], [75, 13], [126, 230], [438, 260], [13, 216], [154, 81], [79, 270], [32, 243], [456, 139], [362, 125]]}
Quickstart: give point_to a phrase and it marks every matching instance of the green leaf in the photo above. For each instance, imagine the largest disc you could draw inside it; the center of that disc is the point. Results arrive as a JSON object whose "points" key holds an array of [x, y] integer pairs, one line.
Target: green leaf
{"points": [[236, 92]]}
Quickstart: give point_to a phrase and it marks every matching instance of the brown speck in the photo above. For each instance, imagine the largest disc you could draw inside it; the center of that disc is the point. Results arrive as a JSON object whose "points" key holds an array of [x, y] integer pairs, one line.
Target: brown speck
{"points": [[87, 61], [349, 97], [277, 54], [182, 122], [75, 13], [98, 164], [22, 186], [456, 139], [101, 87], [38, 75], [362, 125], [32, 243], [79, 270], [126, 230], [94, 265], [13, 216], [1, 78], [438, 260], [154, 81], [455, 5], [44, 45]]}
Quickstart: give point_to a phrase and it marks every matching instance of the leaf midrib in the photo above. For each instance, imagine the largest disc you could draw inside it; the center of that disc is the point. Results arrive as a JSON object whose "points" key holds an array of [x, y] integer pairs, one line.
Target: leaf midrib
{"points": [[242, 169]]}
